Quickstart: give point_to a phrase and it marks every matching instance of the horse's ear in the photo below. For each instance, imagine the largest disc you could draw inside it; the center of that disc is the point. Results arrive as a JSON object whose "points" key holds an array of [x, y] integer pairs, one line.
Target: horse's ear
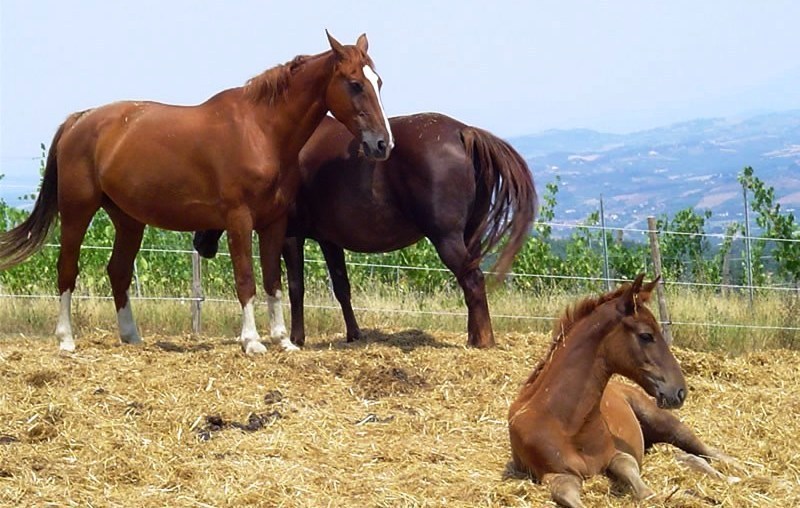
{"points": [[647, 289], [362, 43], [630, 297], [336, 46]]}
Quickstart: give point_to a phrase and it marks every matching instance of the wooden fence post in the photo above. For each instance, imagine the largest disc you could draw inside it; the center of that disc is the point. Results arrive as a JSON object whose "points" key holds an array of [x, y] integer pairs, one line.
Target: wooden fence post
{"points": [[726, 272], [655, 253], [197, 293]]}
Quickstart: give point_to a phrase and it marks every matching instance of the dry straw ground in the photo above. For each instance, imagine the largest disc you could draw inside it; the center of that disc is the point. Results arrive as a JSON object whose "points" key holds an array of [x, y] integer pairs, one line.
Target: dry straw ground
{"points": [[401, 419]]}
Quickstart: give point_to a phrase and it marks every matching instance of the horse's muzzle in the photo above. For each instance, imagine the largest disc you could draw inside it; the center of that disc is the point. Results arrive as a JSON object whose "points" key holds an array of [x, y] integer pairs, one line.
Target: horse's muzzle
{"points": [[376, 146], [670, 398]]}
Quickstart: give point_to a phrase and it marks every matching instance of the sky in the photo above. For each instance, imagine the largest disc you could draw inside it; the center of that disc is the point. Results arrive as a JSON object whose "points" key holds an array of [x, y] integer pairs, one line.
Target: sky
{"points": [[513, 68]]}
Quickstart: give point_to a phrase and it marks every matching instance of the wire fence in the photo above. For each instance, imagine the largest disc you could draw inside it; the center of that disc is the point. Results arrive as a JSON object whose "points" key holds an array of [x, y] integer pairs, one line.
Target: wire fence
{"points": [[196, 298]]}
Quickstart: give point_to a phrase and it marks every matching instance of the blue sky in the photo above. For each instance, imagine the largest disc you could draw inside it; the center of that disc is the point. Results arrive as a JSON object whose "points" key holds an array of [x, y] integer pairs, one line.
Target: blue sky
{"points": [[510, 67]]}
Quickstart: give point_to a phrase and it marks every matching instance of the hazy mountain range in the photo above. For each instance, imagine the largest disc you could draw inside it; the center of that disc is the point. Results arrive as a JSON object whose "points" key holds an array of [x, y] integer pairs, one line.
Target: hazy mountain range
{"points": [[652, 172], [663, 170]]}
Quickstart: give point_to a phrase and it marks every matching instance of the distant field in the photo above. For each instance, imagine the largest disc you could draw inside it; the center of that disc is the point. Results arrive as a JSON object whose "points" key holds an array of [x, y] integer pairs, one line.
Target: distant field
{"points": [[403, 418]]}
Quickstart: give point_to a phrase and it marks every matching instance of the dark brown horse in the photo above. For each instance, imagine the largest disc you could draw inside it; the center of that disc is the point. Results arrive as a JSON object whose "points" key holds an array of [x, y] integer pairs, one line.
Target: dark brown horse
{"points": [[460, 186], [229, 163], [569, 422]]}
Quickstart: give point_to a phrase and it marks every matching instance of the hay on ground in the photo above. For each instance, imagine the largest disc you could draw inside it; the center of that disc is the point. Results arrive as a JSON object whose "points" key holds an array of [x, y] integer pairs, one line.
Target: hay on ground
{"points": [[402, 418]]}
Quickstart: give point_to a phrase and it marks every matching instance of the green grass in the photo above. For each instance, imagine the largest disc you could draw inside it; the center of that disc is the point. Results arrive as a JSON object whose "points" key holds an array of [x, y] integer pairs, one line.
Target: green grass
{"points": [[390, 307]]}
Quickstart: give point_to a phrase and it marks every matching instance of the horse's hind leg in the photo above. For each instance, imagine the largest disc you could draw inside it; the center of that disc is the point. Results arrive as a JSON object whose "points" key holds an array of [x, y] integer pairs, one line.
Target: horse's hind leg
{"points": [[334, 258], [565, 489], [454, 255], [624, 467], [74, 222], [127, 240]]}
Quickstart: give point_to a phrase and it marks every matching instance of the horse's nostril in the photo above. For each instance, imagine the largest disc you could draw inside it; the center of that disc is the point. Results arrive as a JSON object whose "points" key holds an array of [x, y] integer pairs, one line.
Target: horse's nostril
{"points": [[365, 147], [681, 394], [382, 145]]}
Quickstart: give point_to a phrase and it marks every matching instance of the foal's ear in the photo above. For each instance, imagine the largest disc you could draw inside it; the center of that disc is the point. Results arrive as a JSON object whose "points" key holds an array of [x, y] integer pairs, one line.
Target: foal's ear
{"points": [[362, 43], [647, 289], [336, 46], [630, 298]]}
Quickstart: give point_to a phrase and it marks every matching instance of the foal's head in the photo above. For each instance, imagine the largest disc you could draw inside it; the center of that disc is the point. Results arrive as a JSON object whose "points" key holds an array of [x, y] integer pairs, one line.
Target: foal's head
{"points": [[353, 96], [637, 350]]}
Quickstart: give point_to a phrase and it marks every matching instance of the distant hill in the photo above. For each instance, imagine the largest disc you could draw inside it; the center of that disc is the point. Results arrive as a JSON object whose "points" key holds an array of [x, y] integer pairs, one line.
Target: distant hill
{"points": [[651, 172], [663, 170]]}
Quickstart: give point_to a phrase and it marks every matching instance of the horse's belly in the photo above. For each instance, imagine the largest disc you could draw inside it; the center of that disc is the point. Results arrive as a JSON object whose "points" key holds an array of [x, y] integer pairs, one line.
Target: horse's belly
{"points": [[161, 198], [359, 237], [169, 212]]}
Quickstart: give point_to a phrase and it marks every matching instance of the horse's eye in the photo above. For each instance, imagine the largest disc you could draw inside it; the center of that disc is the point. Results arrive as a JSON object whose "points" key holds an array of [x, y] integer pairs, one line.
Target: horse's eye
{"points": [[646, 337], [356, 87]]}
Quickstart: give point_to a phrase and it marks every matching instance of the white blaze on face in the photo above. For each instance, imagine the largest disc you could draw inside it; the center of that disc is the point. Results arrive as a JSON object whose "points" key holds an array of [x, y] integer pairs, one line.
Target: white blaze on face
{"points": [[373, 79]]}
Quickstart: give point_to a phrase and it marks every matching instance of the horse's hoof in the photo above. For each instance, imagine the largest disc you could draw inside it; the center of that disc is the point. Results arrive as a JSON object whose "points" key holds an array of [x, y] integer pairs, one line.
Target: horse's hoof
{"points": [[67, 347], [286, 344], [253, 347], [648, 494], [482, 345], [134, 340]]}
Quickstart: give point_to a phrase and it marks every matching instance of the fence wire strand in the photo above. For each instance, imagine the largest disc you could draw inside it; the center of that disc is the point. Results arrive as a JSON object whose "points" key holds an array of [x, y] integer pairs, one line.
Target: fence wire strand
{"points": [[736, 287]]}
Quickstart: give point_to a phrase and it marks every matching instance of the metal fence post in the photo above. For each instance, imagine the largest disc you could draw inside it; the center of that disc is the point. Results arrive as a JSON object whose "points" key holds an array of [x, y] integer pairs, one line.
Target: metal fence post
{"points": [[606, 273], [197, 293], [655, 253], [748, 257]]}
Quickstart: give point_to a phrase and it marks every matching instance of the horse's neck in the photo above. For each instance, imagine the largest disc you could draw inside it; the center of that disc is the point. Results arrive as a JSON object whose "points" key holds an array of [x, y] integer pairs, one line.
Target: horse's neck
{"points": [[295, 117], [573, 381]]}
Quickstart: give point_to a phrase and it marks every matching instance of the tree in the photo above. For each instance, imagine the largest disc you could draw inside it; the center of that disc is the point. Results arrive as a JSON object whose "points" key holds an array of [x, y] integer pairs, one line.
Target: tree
{"points": [[684, 251], [777, 226]]}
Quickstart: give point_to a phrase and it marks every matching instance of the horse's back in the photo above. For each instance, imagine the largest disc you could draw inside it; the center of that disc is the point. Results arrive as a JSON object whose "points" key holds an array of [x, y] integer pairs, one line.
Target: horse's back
{"points": [[369, 206], [159, 161]]}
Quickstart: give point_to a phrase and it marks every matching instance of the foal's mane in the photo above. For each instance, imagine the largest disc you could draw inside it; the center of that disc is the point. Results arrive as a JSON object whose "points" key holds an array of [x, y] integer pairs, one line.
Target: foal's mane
{"points": [[572, 315], [272, 84]]}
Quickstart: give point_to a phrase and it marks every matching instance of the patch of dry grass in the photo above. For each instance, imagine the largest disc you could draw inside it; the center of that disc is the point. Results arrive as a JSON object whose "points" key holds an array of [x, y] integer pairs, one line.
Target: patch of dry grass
{"points": [[404, 418]]}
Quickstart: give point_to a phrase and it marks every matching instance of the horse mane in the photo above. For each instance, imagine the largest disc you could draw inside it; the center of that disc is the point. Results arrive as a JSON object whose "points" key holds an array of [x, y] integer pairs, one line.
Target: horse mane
{"points": [[572, 314], [273, 83]]}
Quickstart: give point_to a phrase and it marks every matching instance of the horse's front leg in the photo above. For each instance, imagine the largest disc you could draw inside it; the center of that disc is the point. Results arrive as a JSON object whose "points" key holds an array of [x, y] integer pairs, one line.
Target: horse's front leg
{"points": [[565, 489], [240, 245], [334, 258], [270, 242], [293, 258], [624, 467]]}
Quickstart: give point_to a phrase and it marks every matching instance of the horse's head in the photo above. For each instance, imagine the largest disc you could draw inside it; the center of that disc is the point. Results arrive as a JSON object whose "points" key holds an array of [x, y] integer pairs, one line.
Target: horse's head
{"points": [[353, 96], [637, 350]]}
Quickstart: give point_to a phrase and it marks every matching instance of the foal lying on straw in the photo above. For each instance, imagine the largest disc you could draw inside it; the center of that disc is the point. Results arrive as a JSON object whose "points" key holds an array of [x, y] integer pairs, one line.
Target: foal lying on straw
{"points": [[571, 422]]}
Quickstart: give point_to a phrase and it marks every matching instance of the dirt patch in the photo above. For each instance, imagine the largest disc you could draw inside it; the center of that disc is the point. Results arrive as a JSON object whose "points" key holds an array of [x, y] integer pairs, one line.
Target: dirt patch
{"points": [[215, 423]]}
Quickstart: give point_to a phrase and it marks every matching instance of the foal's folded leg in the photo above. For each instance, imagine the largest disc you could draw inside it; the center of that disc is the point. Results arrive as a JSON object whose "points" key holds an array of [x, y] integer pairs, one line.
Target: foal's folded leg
{"points": [[624, 467], [565, 489]]}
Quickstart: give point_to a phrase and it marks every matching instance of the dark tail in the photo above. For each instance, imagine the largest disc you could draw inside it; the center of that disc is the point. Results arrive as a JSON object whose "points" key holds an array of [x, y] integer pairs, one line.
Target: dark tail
{"points": [[20, 243], [506, 201]]}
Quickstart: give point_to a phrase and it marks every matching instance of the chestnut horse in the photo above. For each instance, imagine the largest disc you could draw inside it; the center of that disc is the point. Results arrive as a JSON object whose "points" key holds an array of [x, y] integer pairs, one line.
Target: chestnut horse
{"points": [[229, 163], [569, 422], [460, 186]]}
